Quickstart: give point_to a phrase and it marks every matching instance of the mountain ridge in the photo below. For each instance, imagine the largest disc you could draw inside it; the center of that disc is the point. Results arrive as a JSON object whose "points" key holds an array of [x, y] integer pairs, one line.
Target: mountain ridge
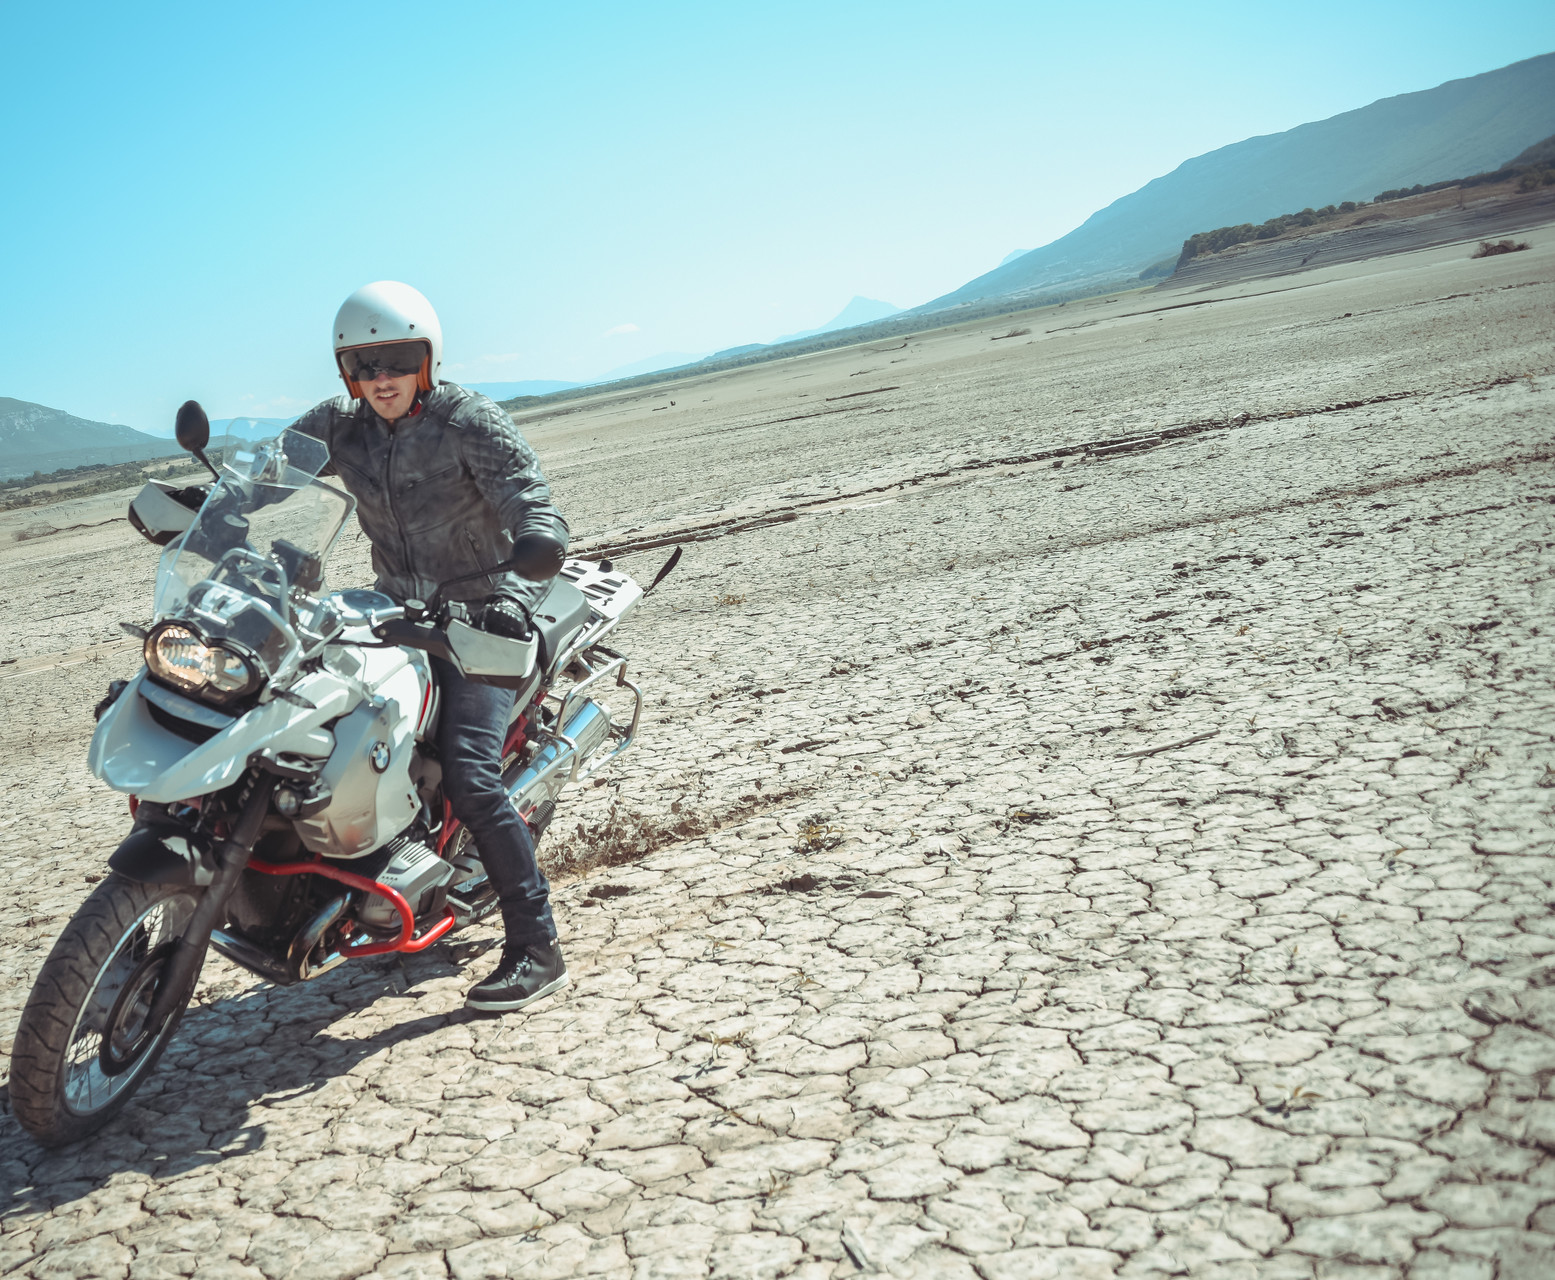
{"points": [[860, 310], [34, 437], [1461, 126]]}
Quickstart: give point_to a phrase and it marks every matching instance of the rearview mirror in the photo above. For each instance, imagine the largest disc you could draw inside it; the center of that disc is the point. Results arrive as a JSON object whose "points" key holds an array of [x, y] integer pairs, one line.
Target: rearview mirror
{"points": [[192, 427]]}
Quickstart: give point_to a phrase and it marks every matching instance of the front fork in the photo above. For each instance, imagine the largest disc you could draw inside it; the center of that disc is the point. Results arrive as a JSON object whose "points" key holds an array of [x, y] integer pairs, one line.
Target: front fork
{"points": [[230, 856]]}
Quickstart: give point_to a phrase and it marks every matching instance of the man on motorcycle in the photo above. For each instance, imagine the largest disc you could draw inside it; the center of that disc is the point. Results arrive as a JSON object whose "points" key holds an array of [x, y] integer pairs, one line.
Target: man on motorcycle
{"points": [[445, 485]]}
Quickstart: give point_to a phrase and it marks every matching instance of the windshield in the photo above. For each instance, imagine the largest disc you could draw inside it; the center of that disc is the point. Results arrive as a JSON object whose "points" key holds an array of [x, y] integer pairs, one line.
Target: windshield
{"points": [[263, 534]]}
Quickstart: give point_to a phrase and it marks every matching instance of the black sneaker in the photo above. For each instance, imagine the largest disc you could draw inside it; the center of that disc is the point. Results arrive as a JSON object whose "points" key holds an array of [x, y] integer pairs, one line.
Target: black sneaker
{"points": [[526, 974]]}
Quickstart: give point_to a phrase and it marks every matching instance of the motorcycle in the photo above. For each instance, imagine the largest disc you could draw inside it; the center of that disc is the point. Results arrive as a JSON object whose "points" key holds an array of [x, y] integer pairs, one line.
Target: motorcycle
{"points": [[277, 748]]}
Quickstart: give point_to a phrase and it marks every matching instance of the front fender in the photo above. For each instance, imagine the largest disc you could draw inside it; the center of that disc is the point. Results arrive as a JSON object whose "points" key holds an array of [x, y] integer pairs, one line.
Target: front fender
{"points": [[164, 854]]}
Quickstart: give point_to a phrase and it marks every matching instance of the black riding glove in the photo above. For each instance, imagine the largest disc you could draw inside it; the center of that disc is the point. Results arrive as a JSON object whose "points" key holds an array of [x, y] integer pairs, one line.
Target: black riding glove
{"points": [[192, 496], [503, 617]]}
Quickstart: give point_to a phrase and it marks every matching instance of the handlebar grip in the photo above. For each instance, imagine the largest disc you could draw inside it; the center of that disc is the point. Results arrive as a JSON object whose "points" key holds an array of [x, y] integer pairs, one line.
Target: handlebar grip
{"points": [[537, 557]]}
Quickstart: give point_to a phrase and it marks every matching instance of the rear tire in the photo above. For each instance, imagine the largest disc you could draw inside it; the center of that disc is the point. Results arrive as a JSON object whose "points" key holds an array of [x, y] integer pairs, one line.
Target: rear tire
{"points": [[82, 1048]]}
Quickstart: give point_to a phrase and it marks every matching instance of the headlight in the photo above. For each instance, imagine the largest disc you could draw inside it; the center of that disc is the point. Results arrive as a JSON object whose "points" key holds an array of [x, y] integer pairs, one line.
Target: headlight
{"points": [[177, 655]]}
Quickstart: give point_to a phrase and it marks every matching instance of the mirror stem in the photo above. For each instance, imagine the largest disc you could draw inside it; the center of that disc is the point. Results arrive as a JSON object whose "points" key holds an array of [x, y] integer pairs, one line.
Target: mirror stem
{"points": [[200, 454]]}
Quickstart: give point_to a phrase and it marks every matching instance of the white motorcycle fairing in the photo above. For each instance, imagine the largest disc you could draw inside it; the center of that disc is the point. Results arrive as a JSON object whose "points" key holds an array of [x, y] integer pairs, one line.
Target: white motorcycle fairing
{"points": [[372, 705], [131, 752]]}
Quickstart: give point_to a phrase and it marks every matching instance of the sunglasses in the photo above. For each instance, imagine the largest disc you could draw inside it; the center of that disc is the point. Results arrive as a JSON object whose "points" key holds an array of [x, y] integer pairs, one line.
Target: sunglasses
{"points": [[397, 359]]}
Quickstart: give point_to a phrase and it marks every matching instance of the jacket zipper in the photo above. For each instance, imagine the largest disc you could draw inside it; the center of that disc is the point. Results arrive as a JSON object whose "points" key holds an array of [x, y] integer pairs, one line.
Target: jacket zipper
{"points": [[399, 525], [475, 553]]}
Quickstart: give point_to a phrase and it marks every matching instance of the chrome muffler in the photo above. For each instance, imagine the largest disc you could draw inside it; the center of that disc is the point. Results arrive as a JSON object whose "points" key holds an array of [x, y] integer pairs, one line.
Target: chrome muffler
{"points": [[558, 762]]}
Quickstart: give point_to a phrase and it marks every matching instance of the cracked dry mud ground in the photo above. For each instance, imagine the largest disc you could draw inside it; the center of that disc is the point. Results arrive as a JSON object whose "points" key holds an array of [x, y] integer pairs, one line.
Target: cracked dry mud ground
{"points": [[943, 960]]}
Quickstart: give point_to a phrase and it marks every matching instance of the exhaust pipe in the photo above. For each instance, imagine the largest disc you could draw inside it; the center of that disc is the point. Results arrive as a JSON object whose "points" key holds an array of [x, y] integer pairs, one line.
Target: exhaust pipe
{"points": [[299, 956], [298, 965], [252, 957], [552, 769]]}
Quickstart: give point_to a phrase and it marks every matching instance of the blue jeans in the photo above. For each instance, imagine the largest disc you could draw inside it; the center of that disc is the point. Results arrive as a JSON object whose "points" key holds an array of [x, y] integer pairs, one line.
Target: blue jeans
{"points": [[470, 730]]}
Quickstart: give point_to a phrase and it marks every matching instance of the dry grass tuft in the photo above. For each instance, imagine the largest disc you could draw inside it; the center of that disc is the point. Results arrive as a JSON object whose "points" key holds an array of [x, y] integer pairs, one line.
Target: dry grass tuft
{"points": [[729, 599], [620, 836], [1490, 248], [816, 835]]}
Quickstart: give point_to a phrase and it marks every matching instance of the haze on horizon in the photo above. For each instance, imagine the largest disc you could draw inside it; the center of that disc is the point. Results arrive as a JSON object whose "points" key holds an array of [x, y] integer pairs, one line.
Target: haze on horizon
{"points": [[194, 189]]}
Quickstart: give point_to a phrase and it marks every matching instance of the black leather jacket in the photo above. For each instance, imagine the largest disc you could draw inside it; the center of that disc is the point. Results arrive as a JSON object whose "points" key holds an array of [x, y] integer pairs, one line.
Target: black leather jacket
{"points": [[442, 493]]}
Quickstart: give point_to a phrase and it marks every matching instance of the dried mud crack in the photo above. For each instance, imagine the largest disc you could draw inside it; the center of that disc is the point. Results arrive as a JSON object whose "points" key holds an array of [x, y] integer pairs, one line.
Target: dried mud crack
{"points": [[1140, 868]]}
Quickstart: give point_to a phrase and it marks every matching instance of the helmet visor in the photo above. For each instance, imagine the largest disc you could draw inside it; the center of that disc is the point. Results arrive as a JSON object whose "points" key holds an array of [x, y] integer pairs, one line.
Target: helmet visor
{"points": [[397, 359]]}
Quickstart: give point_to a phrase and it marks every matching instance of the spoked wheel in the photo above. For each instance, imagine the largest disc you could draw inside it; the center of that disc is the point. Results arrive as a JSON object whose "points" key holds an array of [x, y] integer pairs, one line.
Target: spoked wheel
{"points": [[84, 1044]]}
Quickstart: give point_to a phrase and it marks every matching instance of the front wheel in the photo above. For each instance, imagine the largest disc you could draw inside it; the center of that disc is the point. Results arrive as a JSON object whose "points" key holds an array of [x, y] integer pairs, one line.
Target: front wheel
{"points": [[84, 1046]]}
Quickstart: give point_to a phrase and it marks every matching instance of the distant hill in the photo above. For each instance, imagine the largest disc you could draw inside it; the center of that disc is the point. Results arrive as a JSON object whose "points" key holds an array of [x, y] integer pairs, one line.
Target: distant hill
{"points": [[34, 437], [226, 432], [664, 360], [1540, 153], [1463, 126], [858, 311], [1527, 168], [507, 390]]}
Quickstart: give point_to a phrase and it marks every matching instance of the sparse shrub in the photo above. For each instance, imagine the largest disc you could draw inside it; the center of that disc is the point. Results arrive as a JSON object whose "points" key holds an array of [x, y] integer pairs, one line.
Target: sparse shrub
{"points": [[816, 835], [729, 599], [1490, 249], [1027, 817], [1399, 193], [618, 837], [87, 481], [1533, 171], [1227, 237]]}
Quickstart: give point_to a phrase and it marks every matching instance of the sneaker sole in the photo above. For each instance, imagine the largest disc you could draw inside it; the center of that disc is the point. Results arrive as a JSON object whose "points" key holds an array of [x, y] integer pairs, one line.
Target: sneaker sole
{"points": [[507, 1006]]}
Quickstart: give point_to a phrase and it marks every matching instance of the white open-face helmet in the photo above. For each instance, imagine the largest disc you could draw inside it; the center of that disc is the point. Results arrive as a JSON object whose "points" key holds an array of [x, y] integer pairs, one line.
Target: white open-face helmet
{"points": [[374, 329]]}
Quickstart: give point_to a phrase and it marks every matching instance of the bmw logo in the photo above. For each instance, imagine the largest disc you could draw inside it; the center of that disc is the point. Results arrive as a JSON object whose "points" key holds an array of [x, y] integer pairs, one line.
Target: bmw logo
{"points": [[378, 756]]}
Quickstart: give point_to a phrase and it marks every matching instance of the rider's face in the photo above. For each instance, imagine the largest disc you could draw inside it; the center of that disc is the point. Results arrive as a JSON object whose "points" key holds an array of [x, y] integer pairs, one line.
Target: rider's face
{"points": [[390, 397]]}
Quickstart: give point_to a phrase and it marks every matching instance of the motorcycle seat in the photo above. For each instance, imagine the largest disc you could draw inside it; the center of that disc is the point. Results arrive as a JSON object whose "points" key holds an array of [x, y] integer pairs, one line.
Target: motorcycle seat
{"points": [[559, 617]]}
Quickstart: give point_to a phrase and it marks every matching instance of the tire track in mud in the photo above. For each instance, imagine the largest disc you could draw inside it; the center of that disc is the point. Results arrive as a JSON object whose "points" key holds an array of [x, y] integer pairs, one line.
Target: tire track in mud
{"points": [[13, 668], [1108, 447]]}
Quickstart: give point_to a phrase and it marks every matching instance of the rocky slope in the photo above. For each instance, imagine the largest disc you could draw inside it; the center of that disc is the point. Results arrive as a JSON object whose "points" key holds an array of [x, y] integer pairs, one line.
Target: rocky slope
{"points": [[34, 437]]}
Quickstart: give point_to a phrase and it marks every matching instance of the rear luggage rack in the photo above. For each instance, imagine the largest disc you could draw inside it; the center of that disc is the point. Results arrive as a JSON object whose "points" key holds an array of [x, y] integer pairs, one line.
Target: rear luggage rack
{"points": [[611, 594]]}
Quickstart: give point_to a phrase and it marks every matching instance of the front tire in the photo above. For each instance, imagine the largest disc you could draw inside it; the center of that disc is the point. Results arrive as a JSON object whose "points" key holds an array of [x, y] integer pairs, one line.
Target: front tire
{"points": [[83, 1048]]}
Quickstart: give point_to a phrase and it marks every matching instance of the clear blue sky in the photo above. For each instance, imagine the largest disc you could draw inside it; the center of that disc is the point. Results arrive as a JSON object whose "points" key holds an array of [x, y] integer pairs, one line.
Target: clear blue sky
{"points": [[191, 189]]}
